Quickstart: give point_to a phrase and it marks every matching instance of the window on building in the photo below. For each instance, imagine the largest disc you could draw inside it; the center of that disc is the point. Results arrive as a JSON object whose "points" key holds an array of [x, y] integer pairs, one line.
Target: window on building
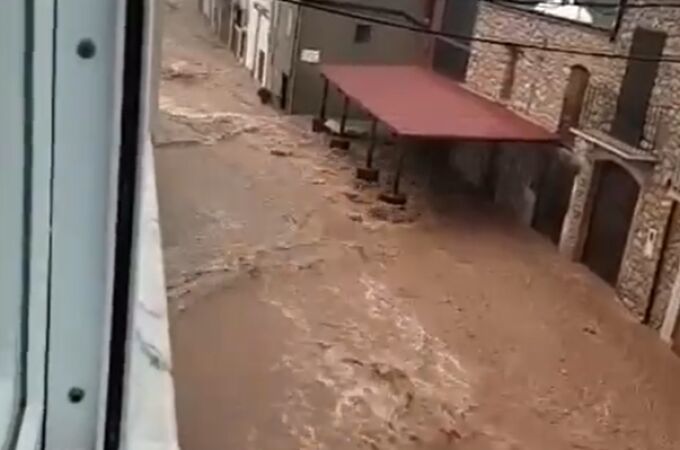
{"points": [[362, 33]]}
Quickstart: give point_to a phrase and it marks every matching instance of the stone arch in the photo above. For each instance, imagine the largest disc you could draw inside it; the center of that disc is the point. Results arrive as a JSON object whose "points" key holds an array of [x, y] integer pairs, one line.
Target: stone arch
{"points": [[639, 171]]}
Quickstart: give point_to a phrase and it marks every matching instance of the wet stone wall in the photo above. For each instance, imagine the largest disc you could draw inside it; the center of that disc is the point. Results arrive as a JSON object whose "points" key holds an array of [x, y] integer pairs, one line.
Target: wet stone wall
{"points": [[539, 82]]}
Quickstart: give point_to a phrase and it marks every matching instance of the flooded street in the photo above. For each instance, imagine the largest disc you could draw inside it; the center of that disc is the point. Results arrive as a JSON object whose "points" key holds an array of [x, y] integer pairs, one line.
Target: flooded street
{"points": [[308, 315]]}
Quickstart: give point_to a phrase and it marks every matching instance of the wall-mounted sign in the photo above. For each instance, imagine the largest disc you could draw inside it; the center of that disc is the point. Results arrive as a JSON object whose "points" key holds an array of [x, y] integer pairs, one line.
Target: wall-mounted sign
{"points": [[311, 56]]}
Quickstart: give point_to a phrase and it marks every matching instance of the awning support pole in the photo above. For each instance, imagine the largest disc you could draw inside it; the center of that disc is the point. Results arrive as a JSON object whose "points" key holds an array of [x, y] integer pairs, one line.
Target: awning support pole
{"points": [[394, 197], [319, 123], [324, 100], [397, 173], [371, 147], [343, 119], [368, 173]]}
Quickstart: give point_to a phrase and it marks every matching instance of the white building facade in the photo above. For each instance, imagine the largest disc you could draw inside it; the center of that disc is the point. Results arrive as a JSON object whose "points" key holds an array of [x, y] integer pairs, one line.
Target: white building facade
{"points": [[245, 26], [259, 28]]}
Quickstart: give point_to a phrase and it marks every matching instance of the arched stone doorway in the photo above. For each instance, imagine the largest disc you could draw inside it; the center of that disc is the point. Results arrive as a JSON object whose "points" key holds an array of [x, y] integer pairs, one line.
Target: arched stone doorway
{"points": [[615, 196], [572, 105]]}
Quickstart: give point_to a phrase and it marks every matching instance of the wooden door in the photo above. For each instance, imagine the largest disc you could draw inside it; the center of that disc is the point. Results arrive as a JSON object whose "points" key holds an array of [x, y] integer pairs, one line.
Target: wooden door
{"points": [[225, 21], [234, 39], [612, 214], [260, 66], [554, 195], [283, 95], [243, 43]]}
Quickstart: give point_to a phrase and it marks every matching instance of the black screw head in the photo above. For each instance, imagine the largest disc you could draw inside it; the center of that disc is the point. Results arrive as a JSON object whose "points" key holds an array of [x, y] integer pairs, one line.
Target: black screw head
{"points": [[76, 395], [86, 48]]}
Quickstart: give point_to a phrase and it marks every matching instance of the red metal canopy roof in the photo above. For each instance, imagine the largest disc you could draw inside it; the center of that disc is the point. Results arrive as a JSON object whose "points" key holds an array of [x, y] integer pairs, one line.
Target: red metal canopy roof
{"points": [[417, 102]]}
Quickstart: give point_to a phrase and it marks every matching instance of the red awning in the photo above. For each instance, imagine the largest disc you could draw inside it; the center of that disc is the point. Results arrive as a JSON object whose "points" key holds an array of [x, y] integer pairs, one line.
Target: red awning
{"points": [[416, 102]]}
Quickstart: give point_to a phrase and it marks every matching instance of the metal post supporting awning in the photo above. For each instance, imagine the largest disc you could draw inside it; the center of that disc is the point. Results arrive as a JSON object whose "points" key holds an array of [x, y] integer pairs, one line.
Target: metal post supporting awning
{"points": [[416, 103]]}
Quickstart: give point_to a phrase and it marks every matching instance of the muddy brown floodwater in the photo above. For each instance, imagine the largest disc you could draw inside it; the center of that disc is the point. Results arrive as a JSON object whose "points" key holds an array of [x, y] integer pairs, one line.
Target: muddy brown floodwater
{"points": [[306, 315]]}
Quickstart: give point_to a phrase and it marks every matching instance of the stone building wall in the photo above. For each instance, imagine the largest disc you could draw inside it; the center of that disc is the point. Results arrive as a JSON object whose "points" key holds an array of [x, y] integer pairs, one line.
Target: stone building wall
{"points": [[642, 257], [639, 270], [668, 270], [639, 265], [540, 81], [666, 93], [540, 77]]}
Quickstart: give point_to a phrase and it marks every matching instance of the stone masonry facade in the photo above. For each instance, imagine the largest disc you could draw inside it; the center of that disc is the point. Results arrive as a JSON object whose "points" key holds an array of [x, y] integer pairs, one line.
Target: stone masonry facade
{"points": [[540, 81]]}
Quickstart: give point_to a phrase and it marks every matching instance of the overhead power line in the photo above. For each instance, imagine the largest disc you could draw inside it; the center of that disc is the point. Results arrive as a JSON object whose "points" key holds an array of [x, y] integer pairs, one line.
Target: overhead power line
{"points": [[319, 6], [589, 4], [592, 4]]}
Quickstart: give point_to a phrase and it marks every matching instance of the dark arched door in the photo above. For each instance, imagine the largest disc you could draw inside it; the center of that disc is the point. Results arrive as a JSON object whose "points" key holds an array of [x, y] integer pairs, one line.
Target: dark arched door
{"points": [[613, 207]]}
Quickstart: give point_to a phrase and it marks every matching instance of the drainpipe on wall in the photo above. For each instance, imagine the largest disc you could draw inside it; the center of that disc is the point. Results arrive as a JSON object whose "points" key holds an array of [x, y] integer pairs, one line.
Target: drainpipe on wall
{"points": [[619, 19], [293, 58], [436, 25], [273, 41]]}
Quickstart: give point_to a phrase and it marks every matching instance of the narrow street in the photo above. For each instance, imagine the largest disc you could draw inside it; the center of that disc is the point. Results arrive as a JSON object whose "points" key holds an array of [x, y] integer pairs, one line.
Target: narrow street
{"points": [[308, 315]]}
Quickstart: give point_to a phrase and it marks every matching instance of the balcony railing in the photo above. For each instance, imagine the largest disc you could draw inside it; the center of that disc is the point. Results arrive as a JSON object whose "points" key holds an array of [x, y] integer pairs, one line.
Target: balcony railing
{"points": [[599, 109]]}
